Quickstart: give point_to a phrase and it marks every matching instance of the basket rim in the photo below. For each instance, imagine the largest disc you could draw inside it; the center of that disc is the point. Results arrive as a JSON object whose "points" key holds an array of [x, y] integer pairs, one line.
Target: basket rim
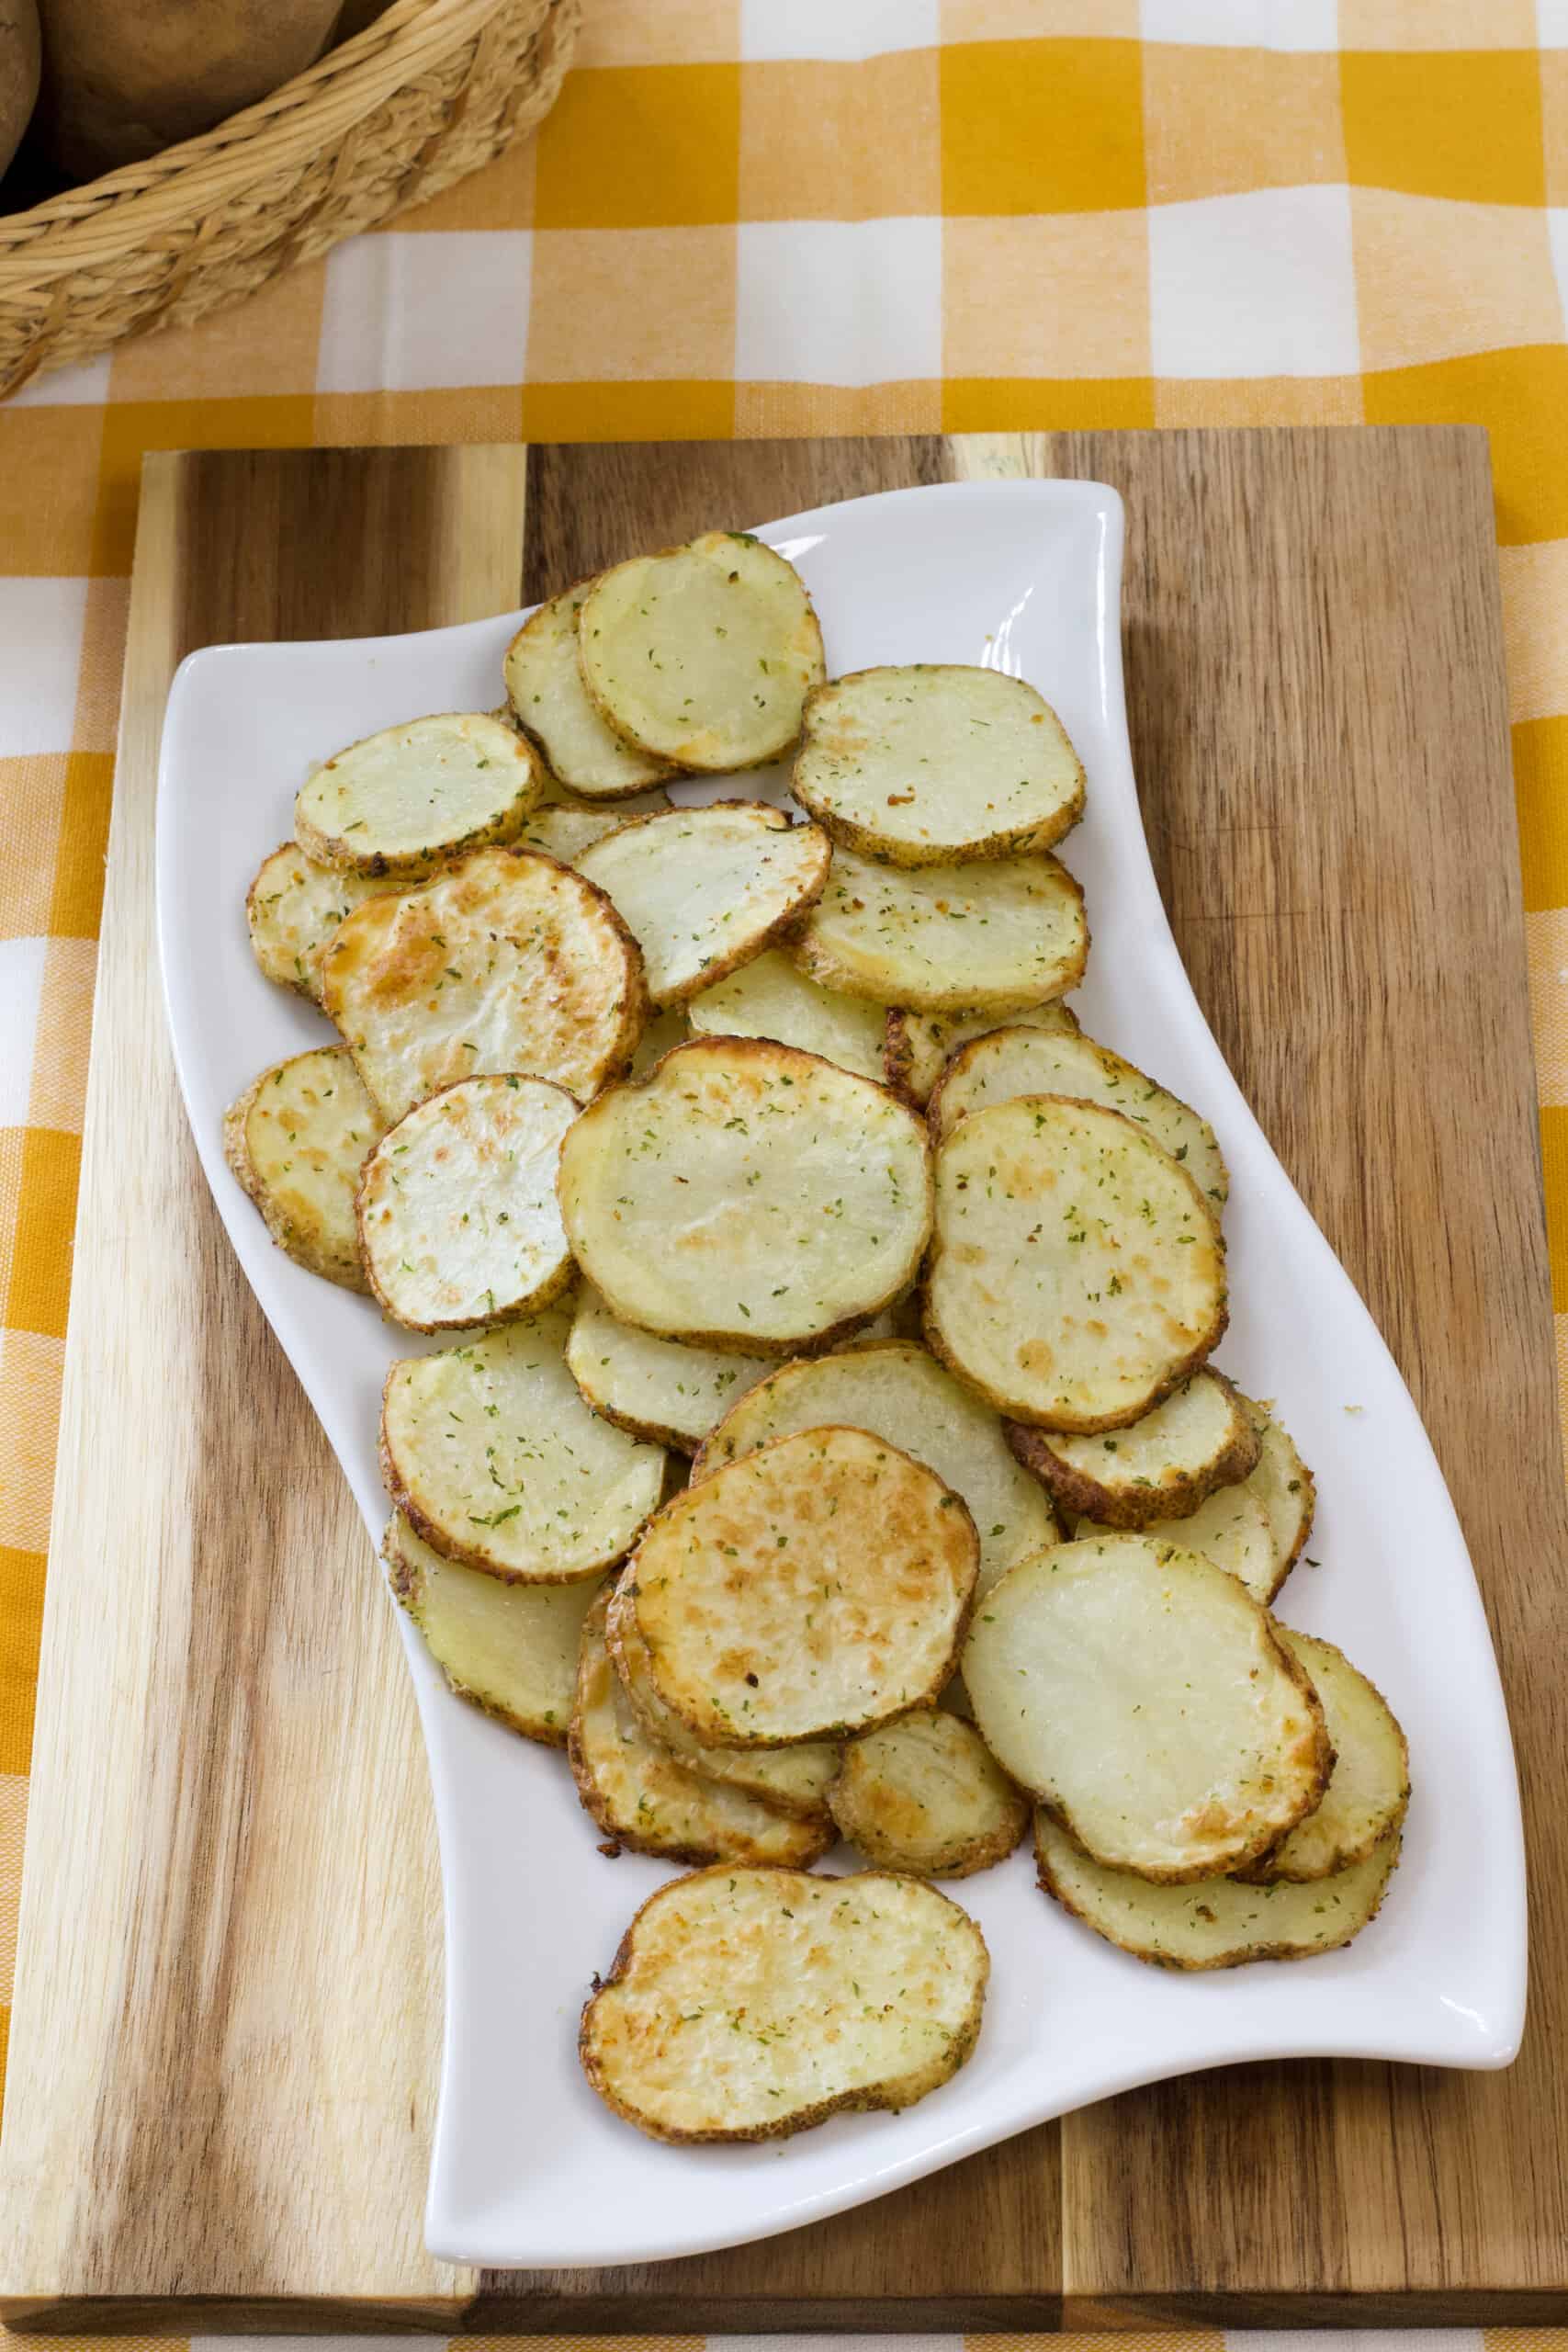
{"points": [[96, 223]]}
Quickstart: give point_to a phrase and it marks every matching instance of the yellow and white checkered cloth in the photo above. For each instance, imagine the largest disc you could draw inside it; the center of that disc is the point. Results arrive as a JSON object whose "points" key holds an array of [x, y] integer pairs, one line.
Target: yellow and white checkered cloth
{"points": [[818, 216]]}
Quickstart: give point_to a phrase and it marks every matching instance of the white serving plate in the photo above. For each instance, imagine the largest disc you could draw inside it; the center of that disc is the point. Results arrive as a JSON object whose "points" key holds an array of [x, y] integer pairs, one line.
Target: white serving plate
{"points": [[528, 2169]]}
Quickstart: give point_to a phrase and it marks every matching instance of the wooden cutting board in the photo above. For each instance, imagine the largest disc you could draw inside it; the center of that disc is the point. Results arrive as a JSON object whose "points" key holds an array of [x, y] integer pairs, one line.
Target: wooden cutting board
{"points": [[224, 2047]]}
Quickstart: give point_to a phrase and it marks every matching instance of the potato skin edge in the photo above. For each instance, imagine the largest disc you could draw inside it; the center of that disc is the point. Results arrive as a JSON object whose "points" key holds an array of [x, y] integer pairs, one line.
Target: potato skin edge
{"points": [[1074, 1490]]}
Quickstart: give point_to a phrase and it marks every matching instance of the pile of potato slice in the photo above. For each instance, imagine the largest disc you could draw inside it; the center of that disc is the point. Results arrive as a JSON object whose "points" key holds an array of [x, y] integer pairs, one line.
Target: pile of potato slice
{"points": [[825, 1443]]}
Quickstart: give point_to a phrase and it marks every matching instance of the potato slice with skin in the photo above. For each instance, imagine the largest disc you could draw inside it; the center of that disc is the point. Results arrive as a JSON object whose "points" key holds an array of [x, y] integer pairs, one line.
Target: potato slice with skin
{"points": [[1283, 1485], [704, 891], [916, 1045], [795, 1780], [768, 998], [293, 909], [458, 1223], [508, 961], [1077, 1273], [1368, 1788], [1006, 933], [414, 795], [1231, 1528], [658, 1389], [645, 1798], [663, 1034], [1216, 1922], [1141, 1694], [925, 1794], [563, 824], [813, 1590], [297, 1139], [702, 655], [898, 1391], [495, 1459], [752, 2004], [1018, 1061], [748, 1198], [1158, 1468], [937, 763], [508, 1649], [545, 688]]}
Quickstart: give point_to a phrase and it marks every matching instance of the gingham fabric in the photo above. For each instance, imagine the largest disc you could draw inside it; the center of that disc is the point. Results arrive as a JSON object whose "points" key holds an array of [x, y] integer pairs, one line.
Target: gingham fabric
{"points": [[816, 216]]}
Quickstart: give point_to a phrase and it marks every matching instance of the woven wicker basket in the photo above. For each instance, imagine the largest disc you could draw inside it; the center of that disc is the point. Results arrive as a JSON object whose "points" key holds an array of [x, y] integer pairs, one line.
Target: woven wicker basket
{"points": [[429, 91]]}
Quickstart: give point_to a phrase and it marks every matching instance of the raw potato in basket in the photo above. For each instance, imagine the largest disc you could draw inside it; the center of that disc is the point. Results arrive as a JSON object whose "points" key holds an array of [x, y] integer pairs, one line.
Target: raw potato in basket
{"points": [[1370, 1785], [750, 2004], [1159, 1467], [769, 997], [508, 1649], [702, 655], [1007, 933], [936, 763], [925, 1794], [915, 1045], [297, 1139], [545, 688], [409, 799], [293, 909], [746, 1197]]}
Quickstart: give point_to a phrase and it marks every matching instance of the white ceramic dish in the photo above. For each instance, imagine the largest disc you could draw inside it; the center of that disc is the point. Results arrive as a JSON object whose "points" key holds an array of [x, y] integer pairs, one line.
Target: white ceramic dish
{"points": [[529, 2169]]}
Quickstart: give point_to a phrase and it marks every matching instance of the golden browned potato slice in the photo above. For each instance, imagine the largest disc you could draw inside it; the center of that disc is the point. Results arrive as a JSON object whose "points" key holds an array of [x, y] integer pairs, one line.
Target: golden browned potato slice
{"points": [[926, 1794], [702, 655], [1283, 1485], [297, 1139], [746, 1197], [1019, 1060], [1215, 1922], [644, 1797], [702, 890], [916, 1045], [750, 2004], [814, 1589], [1230, 1526], [937, 763], [1077, 1273], [509, 1649], [1008, 932], [496, 1460], [1141, 1695], [1368, 1788], [1159, 1467], [293, 909], [458, 1223], [768, 998], [409, 799], [545, 688], [507, 961]]}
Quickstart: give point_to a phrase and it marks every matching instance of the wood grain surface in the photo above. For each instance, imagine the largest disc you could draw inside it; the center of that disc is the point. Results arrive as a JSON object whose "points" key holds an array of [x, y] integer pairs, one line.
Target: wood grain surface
{"points": [[227, 2017]]}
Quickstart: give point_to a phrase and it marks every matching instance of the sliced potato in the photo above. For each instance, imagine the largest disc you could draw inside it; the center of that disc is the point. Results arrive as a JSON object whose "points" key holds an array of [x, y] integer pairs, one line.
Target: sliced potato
{"points": [[545, 688], [702, 890], [925, 1794], [990, 937], [1077, 1273], [702, 655], [768, 998], [293, 909], [1159, 1467], [1231, 1528], [506, 962], [896, 1391], [644, 1797], [812, 1589], [746, 1197], [916, 1045], [1141, 1695], [663, 1034], [297, 1139], [656, 1388], [1368, 1788], [495, 1459], [1019, 1060], [750, 2004], [1217, 1922], [937, 763], [794, 1779], [458, 1223], [509, 1649], [1283, 1485], [412, 796]]}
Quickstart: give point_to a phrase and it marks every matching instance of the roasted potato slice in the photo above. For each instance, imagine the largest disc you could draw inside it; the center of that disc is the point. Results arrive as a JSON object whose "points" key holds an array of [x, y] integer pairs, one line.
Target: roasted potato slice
{"points": [[702, 655], [293, 909], [656, 1388], [1077, 1273], [297, 1139], [746, 1197], [1368, 1788], [1141, 1695], [813, 1590], [458, 1223], [748, 2004], [704, 891], [991, 937], [916, 1045], [509, 1649], [925, 1794], [937, 763], [1283, 1485], [1158, 1469], [768, 998], [412, 796], [545, 688], [1230, 1526], [508, 961], [495, 1459]]}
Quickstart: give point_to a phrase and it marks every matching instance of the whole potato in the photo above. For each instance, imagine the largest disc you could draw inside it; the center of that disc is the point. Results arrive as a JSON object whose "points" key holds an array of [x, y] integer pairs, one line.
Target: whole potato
{"points": [[19, 72]]}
